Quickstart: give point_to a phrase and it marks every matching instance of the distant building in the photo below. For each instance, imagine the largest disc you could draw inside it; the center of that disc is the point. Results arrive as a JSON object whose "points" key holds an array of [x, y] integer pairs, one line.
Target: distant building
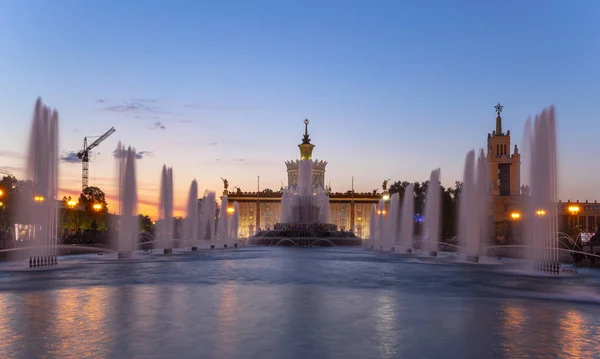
{"points": [[508, 195], [261, 210]]}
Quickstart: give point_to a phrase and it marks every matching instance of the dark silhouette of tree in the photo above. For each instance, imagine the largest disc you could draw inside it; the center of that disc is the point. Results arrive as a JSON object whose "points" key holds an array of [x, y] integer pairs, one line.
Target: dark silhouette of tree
{"points": [[91, 196], [146, 224]]}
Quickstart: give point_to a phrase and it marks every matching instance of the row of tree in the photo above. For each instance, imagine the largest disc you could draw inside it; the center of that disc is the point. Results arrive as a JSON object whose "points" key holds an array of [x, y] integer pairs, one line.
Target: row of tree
{"points": [[450, 197]]}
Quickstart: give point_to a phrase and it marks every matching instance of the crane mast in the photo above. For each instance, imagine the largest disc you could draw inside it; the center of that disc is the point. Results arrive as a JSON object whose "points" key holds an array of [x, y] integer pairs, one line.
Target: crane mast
{"points": [[84, 155]]}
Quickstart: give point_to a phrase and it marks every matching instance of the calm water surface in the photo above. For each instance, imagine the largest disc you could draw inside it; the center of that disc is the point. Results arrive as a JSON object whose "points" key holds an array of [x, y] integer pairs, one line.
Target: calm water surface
{"points": [[292, 303]]}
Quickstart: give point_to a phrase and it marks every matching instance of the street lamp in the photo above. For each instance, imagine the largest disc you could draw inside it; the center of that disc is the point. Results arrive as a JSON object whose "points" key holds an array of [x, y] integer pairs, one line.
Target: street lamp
{"points": [[230, 210], [1, 193], [515, 215], [385, 195], [38, 199], [540, 212], [97, 206], [71, 203], [574, 210]]}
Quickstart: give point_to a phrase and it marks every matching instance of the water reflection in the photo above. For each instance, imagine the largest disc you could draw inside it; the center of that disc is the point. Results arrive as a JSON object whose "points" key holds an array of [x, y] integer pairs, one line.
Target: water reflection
{"points": [[576, 342], [385, 318], [80, 316], [296, 304], [227, 329]]}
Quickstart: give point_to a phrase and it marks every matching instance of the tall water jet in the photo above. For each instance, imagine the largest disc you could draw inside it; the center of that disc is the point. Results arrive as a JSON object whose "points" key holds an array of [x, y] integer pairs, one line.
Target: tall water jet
{"points": [[541, 217], [304, 204], [164, 225], [234, 223], [406, 220], [483, 200], [42, 169], [207, 217], [468, 211], [190, 225], [431, 229], [379, 234], [372, 226], [390, 228], [223, 223], [128, 219]]}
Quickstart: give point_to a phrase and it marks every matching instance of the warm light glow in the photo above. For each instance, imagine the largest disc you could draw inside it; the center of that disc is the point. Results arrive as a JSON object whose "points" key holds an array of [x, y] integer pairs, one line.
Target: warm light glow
{"points": [[540, 212], [385, 196], [380, 211], [574, 209], [97, 206], [1, 204], [72, 203], [359, 218], [230, 210], [515, 215], [1, 193], [38, 198]]}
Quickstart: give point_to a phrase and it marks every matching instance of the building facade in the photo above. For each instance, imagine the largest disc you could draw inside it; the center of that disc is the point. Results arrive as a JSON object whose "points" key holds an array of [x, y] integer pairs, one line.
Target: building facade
{"points": [[261, 210]]}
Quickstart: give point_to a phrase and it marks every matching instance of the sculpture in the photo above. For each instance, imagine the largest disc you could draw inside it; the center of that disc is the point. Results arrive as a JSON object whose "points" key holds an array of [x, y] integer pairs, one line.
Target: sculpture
{"points": [[384, 185], [225, 183]]}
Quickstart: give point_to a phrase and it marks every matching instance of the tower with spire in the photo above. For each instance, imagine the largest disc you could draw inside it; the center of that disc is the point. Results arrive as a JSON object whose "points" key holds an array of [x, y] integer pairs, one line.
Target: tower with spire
{"points": [[318, 167], [504, 166]]}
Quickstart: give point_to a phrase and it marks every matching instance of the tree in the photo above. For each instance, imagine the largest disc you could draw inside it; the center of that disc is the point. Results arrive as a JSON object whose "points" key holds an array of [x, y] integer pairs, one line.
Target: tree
{"points": [[91, 196], [145, 223]]}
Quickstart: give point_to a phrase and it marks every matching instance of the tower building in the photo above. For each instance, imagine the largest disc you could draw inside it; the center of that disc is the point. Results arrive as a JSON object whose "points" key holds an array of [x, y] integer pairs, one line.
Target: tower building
{"points": [[318, 167]]}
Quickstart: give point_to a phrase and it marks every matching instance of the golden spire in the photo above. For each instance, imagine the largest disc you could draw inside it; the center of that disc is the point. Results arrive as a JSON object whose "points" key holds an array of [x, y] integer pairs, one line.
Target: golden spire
{"points": [[306, 147]]}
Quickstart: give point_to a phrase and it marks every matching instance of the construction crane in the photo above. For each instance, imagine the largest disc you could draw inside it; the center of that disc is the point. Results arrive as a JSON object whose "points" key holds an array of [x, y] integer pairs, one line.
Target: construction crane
{"points": [[84, 156]]}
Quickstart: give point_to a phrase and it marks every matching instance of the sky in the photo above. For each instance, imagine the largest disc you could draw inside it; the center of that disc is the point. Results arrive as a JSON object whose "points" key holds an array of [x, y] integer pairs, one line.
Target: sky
{"points": [[393, 89]]}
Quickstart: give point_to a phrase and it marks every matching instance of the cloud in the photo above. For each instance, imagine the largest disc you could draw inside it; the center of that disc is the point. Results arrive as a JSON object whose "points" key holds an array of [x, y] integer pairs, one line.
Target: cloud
{"points": [[11, 169], [139, 155], [11, 154], [213, 143], [69, 157], [144, 100], [158, 126], [139, 108]]}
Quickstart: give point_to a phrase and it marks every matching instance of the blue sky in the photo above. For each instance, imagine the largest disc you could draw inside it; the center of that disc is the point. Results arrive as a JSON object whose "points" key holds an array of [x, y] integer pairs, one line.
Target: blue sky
{"points": [[393, 89]]}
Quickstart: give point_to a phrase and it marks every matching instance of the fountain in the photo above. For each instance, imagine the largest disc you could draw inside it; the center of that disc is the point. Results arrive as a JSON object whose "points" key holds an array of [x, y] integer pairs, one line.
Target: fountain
{"points": [[406, 220], [42, 169], [223, 224], [207, 218], [304, 217], [190, 225], [164, 225], [128, 219], [473, 206], [431, 229], [390, 224], [372, 227], [541, 218], [234, 224]]}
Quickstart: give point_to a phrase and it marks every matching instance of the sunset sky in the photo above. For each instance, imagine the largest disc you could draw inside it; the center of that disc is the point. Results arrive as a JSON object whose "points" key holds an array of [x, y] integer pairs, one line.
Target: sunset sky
{"points": [[217, 89]]}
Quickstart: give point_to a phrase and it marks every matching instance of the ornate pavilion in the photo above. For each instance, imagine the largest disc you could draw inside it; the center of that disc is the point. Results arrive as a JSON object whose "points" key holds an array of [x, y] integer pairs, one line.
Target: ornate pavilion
{"points": [[261, 210]]}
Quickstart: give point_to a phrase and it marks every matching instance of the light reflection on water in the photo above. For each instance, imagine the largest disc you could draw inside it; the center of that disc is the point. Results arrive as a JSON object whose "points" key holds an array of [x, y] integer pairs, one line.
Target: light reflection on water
{"points": [[286, 304]]}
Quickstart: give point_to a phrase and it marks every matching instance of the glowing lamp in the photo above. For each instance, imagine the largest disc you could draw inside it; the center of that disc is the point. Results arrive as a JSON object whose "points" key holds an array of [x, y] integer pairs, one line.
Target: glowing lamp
{"points": [[230, 210], [540, 212], [515, 215], [38, 198], [71, 203], [574, 209], [97, 206], [1, 193], [385, 196]]}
